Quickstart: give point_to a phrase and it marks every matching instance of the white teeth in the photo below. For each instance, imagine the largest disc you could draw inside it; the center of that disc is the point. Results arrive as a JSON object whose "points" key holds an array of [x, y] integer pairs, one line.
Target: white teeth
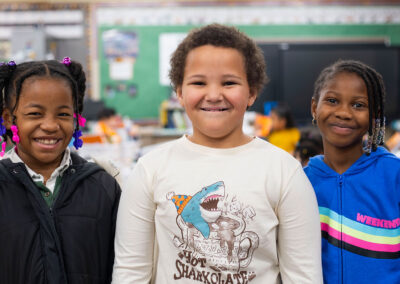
{"points": [[47, 141], [219, 109]]}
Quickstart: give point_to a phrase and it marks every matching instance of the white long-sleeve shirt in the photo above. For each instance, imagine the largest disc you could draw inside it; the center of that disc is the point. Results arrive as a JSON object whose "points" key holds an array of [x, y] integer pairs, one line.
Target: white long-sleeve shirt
{"points": [[237, 215]]}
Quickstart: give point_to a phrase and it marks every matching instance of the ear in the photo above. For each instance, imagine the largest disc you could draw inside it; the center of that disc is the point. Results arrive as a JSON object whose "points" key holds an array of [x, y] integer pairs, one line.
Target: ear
{"points": [[8, 118], [314, 108], [179, 95], [252, 97]]}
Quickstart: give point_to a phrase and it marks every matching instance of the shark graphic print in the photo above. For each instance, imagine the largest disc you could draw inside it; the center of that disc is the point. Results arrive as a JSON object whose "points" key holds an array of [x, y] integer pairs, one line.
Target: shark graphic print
{"points": [[214, 244]]}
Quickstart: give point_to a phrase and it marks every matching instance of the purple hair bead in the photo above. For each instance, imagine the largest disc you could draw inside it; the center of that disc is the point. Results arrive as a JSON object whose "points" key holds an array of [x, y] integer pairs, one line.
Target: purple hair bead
{"points": [[2, 127], [66, 61], [77, 141]]}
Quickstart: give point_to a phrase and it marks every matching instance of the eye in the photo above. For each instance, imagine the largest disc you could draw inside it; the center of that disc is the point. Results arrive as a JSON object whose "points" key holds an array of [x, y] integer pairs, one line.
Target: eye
{"points": [[230, 83], [359, 105], [65, 114], [33, 113], [332, 100], [197, 83]]}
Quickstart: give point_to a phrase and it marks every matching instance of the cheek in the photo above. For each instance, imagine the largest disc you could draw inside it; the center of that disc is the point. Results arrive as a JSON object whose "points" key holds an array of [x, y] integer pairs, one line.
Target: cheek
{"points": [[319, 112], [239, 99], [69, 128], [191, 98]]}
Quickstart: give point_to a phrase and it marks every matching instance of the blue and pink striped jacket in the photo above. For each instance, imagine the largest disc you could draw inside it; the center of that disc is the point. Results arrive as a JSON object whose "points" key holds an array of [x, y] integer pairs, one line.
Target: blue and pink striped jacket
{"points": [[360, 218]]}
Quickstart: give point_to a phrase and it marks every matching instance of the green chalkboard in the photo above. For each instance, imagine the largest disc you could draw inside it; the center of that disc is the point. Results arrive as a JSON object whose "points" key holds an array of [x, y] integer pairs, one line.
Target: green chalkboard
{"points": [[146, 102]]}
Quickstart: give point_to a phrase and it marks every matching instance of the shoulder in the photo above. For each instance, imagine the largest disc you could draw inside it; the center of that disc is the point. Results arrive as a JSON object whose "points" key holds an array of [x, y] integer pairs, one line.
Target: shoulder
{"points": [[4, 170], [161, 155], [386, 160], [161, 149], [273, 152], [270, 159], [94, 174]]}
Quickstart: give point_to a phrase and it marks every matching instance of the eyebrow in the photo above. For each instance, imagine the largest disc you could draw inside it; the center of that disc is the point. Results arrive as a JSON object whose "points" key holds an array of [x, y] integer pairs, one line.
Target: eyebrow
{"points": [[232, 75], [199, 76], [356, 97], [361, 97], [41, 107]]}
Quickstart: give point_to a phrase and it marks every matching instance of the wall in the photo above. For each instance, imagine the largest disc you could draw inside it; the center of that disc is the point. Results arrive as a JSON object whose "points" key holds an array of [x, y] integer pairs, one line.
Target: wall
{"points": [[262, 23]]}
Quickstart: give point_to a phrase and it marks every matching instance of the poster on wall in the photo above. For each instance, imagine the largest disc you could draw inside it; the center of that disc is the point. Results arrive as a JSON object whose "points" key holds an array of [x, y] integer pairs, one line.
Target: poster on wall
{"points": [[121, 69], [120, 43], [168, 42], [121, 49]]}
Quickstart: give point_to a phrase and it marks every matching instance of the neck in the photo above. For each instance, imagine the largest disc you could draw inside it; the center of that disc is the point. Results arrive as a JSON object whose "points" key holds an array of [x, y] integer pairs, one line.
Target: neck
{"points": [[341, 159], [222, 142], [45, 173], [44, 169]]}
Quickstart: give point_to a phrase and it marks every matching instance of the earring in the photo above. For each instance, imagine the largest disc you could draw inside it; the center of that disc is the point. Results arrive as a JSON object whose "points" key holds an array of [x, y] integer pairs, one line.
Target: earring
{"points": [[77, 141], [15, 137], [313, 120]]}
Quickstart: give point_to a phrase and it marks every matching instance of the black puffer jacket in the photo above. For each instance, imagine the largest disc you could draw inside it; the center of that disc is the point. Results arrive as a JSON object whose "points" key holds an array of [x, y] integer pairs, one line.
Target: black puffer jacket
{"points": [[72, 242]]}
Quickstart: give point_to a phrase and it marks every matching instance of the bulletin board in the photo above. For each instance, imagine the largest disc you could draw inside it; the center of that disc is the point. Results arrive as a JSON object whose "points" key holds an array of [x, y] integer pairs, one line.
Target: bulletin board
{"points": [[149, 93], [140, 96]]}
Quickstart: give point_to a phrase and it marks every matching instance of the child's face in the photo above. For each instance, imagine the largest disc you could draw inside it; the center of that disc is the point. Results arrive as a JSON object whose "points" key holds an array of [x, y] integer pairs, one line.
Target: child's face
{"points": [[44, 116], [342, 111], [215, 94]]}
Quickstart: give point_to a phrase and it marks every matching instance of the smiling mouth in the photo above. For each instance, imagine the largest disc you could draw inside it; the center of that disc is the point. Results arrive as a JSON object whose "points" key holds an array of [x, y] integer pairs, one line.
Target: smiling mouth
{"points": [[342, 130], [47, 141], [214, 109]]}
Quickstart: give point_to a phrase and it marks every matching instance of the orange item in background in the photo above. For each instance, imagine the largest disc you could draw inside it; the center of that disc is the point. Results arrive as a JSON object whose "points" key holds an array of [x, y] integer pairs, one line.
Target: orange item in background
{"points": [[262, 125], [87, 138]]}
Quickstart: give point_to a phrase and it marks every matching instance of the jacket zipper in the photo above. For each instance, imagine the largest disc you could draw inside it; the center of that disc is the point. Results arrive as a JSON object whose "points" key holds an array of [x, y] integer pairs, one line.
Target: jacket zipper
{"points": [[341, 228], [51, 211]]}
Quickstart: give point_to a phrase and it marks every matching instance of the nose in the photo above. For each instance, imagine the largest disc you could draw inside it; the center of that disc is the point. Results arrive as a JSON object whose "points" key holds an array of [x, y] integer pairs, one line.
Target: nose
{"points": [[50, 124], [214, 93], [343, 112]]}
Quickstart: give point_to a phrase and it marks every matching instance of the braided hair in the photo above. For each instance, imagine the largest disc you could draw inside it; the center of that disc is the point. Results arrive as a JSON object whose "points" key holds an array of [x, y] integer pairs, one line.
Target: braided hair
{"points": [[13, 76], [376, 95]]}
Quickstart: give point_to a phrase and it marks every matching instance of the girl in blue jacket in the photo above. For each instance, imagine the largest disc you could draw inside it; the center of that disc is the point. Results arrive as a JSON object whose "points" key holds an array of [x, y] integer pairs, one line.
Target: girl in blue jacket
{"points": [[57, 211], [358, 188]]}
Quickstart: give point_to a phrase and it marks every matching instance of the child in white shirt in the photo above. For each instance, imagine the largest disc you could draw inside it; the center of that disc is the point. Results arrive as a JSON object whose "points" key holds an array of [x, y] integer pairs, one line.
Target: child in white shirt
{"points": [[218, 206]]}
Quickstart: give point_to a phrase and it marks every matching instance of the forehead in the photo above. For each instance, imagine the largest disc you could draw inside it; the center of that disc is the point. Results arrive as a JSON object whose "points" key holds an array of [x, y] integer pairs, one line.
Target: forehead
{"points": [[214, 57], [46, 91], [346, 80]]}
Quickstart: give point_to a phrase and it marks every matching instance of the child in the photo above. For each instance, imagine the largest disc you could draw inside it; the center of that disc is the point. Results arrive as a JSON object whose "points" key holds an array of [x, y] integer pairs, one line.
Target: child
{"points": [[107, 125], [218, 206], [358, 190], [284, 133], [309, 145], [57, 211]]}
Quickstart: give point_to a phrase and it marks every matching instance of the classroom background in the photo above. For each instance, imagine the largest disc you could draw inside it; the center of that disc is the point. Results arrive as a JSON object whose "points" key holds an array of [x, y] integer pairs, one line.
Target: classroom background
{"points": [[125, 48]]}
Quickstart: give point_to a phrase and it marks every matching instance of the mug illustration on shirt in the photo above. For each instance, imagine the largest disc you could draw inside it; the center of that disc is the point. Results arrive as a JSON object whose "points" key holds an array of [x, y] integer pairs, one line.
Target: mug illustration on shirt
{"points": [[213, 231]]}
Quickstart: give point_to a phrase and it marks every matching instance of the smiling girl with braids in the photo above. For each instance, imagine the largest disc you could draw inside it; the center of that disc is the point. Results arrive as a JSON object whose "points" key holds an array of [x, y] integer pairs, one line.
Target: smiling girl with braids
{"points": [[57, 211], [358, 189]]}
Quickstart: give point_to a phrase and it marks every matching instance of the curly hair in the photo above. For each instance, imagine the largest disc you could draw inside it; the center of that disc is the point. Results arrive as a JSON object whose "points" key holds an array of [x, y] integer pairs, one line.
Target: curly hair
{"points": [[376, 95], [220, 36], [12, 77]]}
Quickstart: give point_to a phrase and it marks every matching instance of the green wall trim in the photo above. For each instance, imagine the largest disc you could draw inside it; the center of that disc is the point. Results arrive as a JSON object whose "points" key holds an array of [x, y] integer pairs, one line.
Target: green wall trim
{"points": [[146, 68]]}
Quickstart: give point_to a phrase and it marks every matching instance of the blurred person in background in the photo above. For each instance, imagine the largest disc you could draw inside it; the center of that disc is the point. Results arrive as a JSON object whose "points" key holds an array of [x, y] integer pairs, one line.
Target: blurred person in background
{"points": [[309, 145], [283, 134], [108, 124]]}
